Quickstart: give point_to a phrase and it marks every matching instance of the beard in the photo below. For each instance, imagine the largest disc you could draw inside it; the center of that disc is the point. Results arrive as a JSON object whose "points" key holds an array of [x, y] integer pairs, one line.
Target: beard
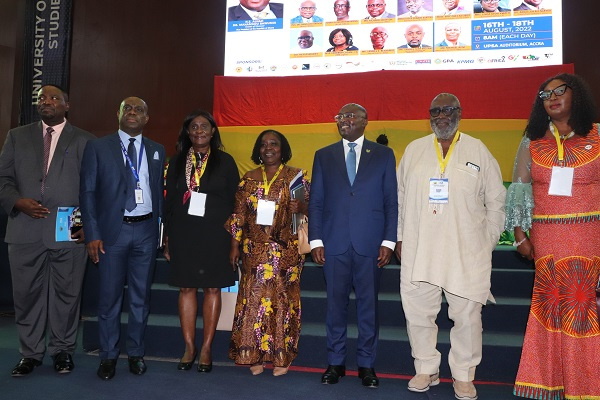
{"points": [[446, 132]]}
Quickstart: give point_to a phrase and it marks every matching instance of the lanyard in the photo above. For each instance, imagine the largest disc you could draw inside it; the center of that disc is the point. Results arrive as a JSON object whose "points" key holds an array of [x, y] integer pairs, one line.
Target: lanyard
{"points": [[202, 167], [268, 184], [443, 162], [135, 173], [560, 145]]}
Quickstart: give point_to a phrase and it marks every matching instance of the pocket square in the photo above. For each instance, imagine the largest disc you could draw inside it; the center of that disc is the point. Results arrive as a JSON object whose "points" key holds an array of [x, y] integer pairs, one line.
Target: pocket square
{"points": [[156, 157]]}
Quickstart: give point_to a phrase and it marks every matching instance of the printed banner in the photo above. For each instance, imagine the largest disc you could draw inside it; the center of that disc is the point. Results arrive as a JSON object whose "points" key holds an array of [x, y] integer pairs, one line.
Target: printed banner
{"points": [[46, 50]]}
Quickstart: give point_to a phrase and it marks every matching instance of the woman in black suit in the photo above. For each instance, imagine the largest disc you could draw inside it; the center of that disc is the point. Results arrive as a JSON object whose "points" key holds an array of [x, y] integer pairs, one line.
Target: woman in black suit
{"points": [[201, 183]]}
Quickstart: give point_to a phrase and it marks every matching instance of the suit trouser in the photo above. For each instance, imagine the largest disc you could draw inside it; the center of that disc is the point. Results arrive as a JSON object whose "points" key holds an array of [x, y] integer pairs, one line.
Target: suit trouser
{"points": [[47, 296], [129, 260], [421, 307], [342, 273]]}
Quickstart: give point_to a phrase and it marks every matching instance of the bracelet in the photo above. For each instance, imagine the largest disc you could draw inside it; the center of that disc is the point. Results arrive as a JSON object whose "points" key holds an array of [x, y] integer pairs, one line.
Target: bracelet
{"points": [[520, 242]]}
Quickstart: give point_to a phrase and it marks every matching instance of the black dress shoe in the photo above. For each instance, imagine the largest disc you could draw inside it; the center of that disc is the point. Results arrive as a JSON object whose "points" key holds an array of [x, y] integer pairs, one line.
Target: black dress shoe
{"points": [[137, 366], [63, 363], [205, 367], [106, 370], [368, 377], [25, 366], [332, 374], [186, 366]]}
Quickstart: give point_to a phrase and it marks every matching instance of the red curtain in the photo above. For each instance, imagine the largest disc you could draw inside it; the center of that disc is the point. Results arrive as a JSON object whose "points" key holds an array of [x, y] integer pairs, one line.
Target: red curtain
{"points": [[386, 95]]}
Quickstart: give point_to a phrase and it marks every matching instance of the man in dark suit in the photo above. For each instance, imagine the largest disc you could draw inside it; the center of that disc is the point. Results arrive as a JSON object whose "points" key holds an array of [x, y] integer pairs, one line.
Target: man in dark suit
{"points": [[528, 5], [39, 172], [121, 200], [255, 9], [353, 217], [414, 35]]}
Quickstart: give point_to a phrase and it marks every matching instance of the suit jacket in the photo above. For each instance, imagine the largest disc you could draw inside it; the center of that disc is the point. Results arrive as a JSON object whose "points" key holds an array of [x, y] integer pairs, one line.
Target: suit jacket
{"points": [[522, 7], [361, 215], [103, 186], [298, 19], [406, 46], [383, 16], [237, 13], [21, 173]]}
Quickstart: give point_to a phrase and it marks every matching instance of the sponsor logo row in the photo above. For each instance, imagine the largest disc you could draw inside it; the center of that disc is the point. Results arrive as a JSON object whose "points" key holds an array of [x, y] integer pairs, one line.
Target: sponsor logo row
{"points": [[511, 58]]}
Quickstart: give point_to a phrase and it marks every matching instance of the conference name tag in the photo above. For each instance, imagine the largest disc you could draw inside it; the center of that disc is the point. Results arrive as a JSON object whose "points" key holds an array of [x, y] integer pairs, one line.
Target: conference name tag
{"points": [[561, 182], [197, 204], [139, 196], [265, 212], [438, 190]]}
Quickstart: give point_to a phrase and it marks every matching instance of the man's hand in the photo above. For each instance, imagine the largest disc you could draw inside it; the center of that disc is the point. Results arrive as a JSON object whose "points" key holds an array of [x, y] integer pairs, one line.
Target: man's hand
{"points": [[385, 255], [32, 208], [398, 251], [79, 235], [166, 249], [318, 255], [93, 248]]}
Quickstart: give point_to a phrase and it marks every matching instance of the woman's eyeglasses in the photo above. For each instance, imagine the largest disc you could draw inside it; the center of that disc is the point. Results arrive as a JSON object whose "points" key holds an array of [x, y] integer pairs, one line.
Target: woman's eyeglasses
{"points": [[558, 91]]}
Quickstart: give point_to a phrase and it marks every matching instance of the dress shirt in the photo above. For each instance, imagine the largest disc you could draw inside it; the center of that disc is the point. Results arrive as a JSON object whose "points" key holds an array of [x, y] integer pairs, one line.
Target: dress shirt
{"points": [[143, 172], [55, 136]]}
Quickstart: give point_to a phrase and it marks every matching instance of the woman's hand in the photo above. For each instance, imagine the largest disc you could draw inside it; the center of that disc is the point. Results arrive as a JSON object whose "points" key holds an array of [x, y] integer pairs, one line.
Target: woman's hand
{"points": [[525, 249], [166, 249], [234, 254]]}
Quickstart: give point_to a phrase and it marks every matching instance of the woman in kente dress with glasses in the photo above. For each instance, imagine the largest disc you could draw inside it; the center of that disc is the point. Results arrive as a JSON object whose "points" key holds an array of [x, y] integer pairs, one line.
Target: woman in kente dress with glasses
{"points": [[555, 195]]}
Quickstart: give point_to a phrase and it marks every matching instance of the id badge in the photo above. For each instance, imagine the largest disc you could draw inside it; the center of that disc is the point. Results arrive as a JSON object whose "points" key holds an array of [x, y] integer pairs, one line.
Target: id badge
{"points": [[438, 190], [561, 183], [139, 196], [265, 211], [197, 204]]}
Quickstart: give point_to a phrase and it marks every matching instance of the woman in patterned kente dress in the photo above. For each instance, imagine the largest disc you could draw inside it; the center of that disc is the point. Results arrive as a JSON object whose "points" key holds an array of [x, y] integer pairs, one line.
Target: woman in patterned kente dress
{"points": [[266, 325], [555, 195]]}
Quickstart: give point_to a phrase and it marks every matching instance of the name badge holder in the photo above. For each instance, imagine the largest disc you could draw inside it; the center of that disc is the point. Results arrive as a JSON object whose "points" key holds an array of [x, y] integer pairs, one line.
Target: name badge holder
{"points": [[439, 187], [138, 192], [197, 204], [561, 180], [265, 209]]}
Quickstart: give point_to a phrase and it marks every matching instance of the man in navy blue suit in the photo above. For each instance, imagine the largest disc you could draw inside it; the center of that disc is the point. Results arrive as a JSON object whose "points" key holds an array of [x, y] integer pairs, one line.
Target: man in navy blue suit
{"points": [[255, 9], [121, 196], [353, 217]]}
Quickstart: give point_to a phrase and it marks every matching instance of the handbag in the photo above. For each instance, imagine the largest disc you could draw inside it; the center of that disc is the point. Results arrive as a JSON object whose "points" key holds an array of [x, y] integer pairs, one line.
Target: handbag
{"points": [[303, 244]]}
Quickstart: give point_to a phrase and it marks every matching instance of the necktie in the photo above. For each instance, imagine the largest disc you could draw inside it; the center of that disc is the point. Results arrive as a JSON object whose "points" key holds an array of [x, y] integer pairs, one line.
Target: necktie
{"points": [[351, 163], [47, 143], [132, 184]]}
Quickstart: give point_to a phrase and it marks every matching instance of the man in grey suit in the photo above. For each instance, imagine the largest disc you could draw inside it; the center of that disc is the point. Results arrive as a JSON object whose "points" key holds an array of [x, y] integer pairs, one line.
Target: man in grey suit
{"points": [[39, 172], [121, 202]]}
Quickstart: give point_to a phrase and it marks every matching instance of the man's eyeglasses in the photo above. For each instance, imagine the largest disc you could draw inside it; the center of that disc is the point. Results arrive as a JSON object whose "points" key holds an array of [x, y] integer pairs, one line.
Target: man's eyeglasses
{"points": [[379, 34], [340, 117], [446, 110], [308, 8], [340, 6], [491, 1], [375, 5], [305, 37], [558, 91]]}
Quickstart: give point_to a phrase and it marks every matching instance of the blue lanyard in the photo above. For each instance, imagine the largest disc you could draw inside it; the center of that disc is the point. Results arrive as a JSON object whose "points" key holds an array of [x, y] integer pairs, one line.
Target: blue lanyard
{"points": [[135, 173]]}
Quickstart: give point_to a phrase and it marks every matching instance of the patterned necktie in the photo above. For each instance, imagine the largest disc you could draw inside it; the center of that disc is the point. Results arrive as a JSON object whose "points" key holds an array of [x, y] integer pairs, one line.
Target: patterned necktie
{"points": [[47, 143], [132, 185], [351, 163]]}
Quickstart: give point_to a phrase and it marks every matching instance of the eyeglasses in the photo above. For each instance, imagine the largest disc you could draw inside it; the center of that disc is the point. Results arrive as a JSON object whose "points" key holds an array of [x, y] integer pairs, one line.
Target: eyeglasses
{"points": [[558, 91], [446, 110], [340, 6], [308, 8], [379, 34], [375, 5], [305, 38], [201, 128], [340, 117], [491, 1]]}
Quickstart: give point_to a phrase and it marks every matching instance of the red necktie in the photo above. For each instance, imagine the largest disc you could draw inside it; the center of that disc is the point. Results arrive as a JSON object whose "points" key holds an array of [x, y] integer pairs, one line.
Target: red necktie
{"points": [[47, 143]]}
